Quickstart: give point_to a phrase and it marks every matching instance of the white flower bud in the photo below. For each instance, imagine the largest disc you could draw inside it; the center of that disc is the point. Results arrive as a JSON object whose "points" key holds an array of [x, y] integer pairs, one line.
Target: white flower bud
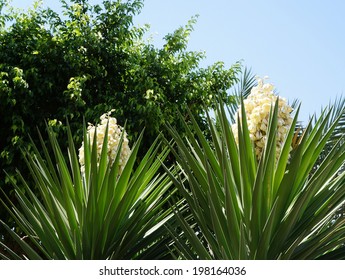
{"points": [[114, 135], [258, 106]]}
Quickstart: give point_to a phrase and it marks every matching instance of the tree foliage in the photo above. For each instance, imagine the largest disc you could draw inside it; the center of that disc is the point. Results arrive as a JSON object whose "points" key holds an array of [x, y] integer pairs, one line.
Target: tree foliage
{"points": [[88, 59]]}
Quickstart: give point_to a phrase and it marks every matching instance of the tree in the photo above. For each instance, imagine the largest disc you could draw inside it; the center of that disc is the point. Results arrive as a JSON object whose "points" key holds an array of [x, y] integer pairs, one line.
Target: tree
{"points": [[91, 59]]}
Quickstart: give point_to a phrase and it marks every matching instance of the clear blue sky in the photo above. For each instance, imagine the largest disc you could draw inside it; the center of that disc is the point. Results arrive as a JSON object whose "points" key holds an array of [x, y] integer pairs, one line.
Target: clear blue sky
{"points": [[298, 44]]}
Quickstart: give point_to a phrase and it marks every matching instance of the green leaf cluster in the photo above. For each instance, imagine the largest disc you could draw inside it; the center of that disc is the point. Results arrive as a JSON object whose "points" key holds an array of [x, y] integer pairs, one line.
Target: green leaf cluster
{"points": [[96, 214], [239, 208]]}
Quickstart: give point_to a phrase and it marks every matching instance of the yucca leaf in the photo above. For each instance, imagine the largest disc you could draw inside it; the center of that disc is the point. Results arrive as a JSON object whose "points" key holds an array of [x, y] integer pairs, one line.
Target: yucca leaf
{"points": [[247, 164], [27, 248], [232, 206], [285, 154], [12, 255], [231, 148], [265, 238], [193, 239]]}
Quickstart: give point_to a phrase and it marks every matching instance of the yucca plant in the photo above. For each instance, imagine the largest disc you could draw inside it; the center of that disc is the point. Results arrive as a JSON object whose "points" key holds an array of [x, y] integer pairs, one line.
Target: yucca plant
{"points": [[99, 212], [279, 205]]}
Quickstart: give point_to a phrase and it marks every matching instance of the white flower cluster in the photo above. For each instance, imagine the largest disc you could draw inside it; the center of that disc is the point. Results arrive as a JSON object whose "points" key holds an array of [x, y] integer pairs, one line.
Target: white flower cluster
{"points": [[114, 136], [257, 107]]}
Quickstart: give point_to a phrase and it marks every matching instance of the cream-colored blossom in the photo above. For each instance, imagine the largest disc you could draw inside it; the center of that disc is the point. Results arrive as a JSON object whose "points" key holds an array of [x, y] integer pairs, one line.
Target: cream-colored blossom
{"points": [[113, 136], [257, 107]]}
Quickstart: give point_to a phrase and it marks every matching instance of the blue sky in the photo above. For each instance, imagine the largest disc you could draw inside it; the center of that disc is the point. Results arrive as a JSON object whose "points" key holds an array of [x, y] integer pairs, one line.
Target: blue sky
{"points": [[298, 44]]}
